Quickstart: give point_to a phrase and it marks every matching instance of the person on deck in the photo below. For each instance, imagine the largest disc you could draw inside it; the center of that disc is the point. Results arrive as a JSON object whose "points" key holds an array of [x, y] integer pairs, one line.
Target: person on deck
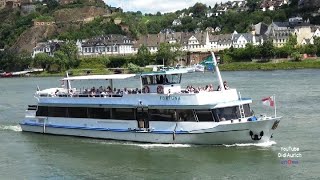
{"points": [[226, 87]]}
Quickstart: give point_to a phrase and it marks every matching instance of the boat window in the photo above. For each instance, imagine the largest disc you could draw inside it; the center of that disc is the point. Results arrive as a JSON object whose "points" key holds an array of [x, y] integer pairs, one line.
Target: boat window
{"points": [[123, 114], [77, 112], [173, 78], [99, 113], [205, 115], [149, 80], [83, 112], [162, 115], [247, 110], [161, 79], [57, 112], [185, 115], [42, 111], [227, 113]]}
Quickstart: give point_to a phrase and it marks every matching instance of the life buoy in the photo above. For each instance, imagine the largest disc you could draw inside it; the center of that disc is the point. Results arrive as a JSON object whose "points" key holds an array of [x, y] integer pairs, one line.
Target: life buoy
{"points": [[146, 89], [160, 89]]}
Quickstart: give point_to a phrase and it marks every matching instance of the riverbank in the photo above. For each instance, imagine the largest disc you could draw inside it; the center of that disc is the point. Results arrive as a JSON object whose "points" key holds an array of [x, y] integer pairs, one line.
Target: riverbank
{"points": [[287, 65], [236, 66]]}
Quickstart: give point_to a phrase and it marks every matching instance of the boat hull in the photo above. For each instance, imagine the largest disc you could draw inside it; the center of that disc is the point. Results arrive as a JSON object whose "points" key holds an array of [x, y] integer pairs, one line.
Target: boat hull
{"points": [[246, 132]]}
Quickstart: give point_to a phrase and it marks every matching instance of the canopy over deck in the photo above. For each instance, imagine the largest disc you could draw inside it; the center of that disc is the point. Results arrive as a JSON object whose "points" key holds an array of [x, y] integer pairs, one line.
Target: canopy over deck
{"points": [[175, 71], [100, 77]]}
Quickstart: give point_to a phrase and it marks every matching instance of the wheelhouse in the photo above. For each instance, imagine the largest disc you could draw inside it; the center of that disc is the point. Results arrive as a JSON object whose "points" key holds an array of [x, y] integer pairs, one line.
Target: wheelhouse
{"points": [[162, 82]]}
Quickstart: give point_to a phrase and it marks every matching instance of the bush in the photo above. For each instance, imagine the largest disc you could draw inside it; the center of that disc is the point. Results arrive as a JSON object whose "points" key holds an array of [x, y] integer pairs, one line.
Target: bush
{"points": [[296, 56], [134, 68], [120, 61], [95, 62]]}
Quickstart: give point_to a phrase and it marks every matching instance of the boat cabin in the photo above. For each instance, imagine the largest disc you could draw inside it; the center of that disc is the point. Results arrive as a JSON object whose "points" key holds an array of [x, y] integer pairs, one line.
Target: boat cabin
{"points": [[162, 82]]}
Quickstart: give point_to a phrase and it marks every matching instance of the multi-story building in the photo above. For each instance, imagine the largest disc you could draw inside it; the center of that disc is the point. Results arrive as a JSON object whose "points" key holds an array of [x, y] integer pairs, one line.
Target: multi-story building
{"points": [[113, 44]]}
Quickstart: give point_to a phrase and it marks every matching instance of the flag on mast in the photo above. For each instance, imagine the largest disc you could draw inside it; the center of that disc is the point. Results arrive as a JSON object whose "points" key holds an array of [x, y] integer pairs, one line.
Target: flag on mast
{"points": [[268, 101]]}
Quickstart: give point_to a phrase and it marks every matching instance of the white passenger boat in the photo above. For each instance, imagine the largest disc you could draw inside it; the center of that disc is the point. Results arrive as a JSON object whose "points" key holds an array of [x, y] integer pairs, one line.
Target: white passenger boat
{"points": [[159, 111], [199, 68]]}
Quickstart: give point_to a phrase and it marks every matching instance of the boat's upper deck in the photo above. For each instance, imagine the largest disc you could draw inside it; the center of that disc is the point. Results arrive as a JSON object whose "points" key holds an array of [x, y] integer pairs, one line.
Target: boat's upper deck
{"points": [[158, 89], [211, 99]]}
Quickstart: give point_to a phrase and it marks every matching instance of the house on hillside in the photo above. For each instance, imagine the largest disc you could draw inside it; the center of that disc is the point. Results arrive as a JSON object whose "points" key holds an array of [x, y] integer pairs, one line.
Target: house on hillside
{"points": [[209, 13], [295, 20], [64, 2], [306, 33], [176, 22], [167, 31], [279, 33], [151, 41], [221, 10], [210, 30], [117, 21], [194, 42], [259, 29], [47, 47], [239, 3], [43, 23], [220, 42], [13, 3], [272, 5], [113, 44], [2, 4], [28, 8], [240, 40], [115, 10]]}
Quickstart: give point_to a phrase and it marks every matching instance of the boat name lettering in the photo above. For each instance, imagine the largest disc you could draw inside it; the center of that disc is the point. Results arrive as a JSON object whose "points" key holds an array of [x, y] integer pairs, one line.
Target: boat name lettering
{"points": [[170, 98]]}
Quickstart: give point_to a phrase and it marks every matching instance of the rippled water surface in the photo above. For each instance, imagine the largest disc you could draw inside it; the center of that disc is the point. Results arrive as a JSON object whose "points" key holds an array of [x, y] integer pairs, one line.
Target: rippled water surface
{"points": [[36, 156]]}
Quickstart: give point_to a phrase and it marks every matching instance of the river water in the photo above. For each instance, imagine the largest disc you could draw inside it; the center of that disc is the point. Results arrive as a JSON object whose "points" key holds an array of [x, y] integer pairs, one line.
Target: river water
{"points": [[36, 156]]}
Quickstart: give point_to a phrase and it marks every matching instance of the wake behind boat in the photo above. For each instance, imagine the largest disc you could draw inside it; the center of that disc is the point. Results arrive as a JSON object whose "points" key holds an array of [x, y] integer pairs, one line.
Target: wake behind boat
{"points": [[159, 111]]}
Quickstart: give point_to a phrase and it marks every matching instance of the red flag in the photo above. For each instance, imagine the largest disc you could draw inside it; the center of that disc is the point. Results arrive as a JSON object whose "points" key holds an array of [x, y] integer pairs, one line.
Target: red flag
{"points": [[268, 101]]}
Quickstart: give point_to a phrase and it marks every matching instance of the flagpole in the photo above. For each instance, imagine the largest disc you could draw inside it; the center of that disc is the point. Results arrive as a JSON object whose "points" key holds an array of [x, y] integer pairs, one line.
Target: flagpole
{"points": [[275, 106]]}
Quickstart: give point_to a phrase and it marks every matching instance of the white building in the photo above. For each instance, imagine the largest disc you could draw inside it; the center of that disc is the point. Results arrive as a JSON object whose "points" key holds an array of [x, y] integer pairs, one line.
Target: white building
{"points": [[46, 47], [114, 44]]}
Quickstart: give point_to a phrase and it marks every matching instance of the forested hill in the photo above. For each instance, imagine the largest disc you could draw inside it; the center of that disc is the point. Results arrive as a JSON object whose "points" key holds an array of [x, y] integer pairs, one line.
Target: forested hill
{"points": [[82, 19]]}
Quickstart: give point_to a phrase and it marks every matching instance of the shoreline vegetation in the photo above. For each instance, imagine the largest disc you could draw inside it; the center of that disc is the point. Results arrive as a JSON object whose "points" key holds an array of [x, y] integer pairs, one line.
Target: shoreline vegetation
{"points": [[234, 66], [286, 65]]}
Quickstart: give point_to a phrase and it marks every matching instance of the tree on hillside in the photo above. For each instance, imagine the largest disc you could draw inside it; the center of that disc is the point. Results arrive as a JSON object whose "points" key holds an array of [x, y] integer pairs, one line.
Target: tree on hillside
{"points": [[52, 4], [292, 41], [61, 61], [143, 56], [43, 60], [253, 5], [317, 44], [290, 46], [310, 49], [70, 49], [168, 53], [199, 10], [267, 50]]}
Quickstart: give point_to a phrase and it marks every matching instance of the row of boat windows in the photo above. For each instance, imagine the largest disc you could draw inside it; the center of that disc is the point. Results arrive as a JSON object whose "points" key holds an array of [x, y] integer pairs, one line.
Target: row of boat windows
{"points": [[161, 79], [216, 115]]}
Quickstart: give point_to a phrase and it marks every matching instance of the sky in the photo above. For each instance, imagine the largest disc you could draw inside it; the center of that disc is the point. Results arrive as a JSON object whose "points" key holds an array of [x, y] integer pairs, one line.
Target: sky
{"points": [[153, 6]]}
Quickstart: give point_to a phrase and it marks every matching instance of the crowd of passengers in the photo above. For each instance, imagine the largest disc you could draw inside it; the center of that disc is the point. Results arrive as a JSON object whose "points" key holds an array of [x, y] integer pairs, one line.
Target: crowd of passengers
{"points": [[102, 91], [109, 91], [207, 88]]}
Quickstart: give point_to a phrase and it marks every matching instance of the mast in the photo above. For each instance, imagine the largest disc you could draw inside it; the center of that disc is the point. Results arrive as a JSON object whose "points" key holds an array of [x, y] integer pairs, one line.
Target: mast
{"points": [[68, 82], [218, 71]]}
